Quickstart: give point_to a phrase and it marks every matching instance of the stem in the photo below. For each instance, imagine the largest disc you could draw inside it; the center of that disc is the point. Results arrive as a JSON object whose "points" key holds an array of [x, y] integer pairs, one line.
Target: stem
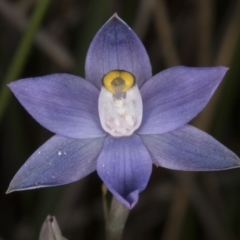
{"points": [[115, 223]]}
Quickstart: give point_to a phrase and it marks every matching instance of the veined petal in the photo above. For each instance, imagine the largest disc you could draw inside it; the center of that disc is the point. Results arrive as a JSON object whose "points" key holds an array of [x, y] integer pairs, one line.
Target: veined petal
{"points": [[125, 166], [64, 104], [59, 161], [175, 96], [116, 46], [189, 149]]}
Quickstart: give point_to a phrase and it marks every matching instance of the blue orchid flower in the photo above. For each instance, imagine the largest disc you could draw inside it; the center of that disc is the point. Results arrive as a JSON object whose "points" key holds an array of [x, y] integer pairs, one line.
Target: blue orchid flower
{"points": [[120, 119]]}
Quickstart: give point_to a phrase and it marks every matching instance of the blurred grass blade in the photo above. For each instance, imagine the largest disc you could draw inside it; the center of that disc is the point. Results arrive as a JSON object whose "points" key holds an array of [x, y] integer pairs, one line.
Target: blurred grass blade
{"points": [[19, 60]]}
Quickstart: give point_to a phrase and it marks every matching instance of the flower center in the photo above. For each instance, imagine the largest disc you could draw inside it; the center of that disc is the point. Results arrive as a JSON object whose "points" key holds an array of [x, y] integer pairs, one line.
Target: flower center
{"points": [[120, 104]]}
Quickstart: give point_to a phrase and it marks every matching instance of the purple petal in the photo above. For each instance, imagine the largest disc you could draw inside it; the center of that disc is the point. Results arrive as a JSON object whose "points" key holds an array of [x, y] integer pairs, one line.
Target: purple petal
{"points": [[175, 96], [125, 166], [116, 46], [189, 149], [64, 104], [59, 161]]}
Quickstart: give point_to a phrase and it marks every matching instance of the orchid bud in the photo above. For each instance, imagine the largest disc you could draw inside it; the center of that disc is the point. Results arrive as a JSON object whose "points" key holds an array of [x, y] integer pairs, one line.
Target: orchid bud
{"points": [[50, 230]]}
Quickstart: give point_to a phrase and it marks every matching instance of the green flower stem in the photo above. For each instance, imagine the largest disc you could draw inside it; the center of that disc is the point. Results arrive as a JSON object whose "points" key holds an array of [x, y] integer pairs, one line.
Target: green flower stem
{"points": [[115, 223], [16, 67]]}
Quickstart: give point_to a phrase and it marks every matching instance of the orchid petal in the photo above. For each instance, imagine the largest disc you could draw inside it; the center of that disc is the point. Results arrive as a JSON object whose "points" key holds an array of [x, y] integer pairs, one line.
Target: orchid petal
{"points": [[59, 161], [62, 103], [125, 166], [189, 149], [175, 96], [116, 46]]}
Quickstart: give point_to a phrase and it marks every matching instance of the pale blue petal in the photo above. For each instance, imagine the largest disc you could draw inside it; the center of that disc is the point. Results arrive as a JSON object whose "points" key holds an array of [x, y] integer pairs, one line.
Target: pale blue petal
{"points": [[59, 161], [175, 96], [116, 46], [125, 167], [64, 104], [189, 149]]}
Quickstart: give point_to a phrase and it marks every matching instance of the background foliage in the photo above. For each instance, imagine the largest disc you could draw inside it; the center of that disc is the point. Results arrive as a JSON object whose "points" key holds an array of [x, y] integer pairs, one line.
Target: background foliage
{"points": [[175, 205]]}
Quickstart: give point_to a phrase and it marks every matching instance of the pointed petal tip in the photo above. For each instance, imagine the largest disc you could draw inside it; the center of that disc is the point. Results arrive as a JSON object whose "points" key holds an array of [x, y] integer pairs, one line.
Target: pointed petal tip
{"points": [[132, 198], [236, 161], [224, 69], [9, 190], [130, 206], [115, 15], [14, 188], [116, 18], [14, 84], [11, 85], [18, 188], [128, 201]]}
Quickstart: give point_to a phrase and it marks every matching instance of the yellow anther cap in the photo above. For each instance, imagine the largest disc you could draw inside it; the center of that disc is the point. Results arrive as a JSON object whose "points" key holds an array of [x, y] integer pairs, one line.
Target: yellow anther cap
{"points": [[118, 81]]}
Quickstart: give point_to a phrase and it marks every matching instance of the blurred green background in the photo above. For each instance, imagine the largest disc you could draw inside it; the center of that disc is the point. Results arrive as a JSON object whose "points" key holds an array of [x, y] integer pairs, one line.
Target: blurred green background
{"points": [[49, 36]]}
